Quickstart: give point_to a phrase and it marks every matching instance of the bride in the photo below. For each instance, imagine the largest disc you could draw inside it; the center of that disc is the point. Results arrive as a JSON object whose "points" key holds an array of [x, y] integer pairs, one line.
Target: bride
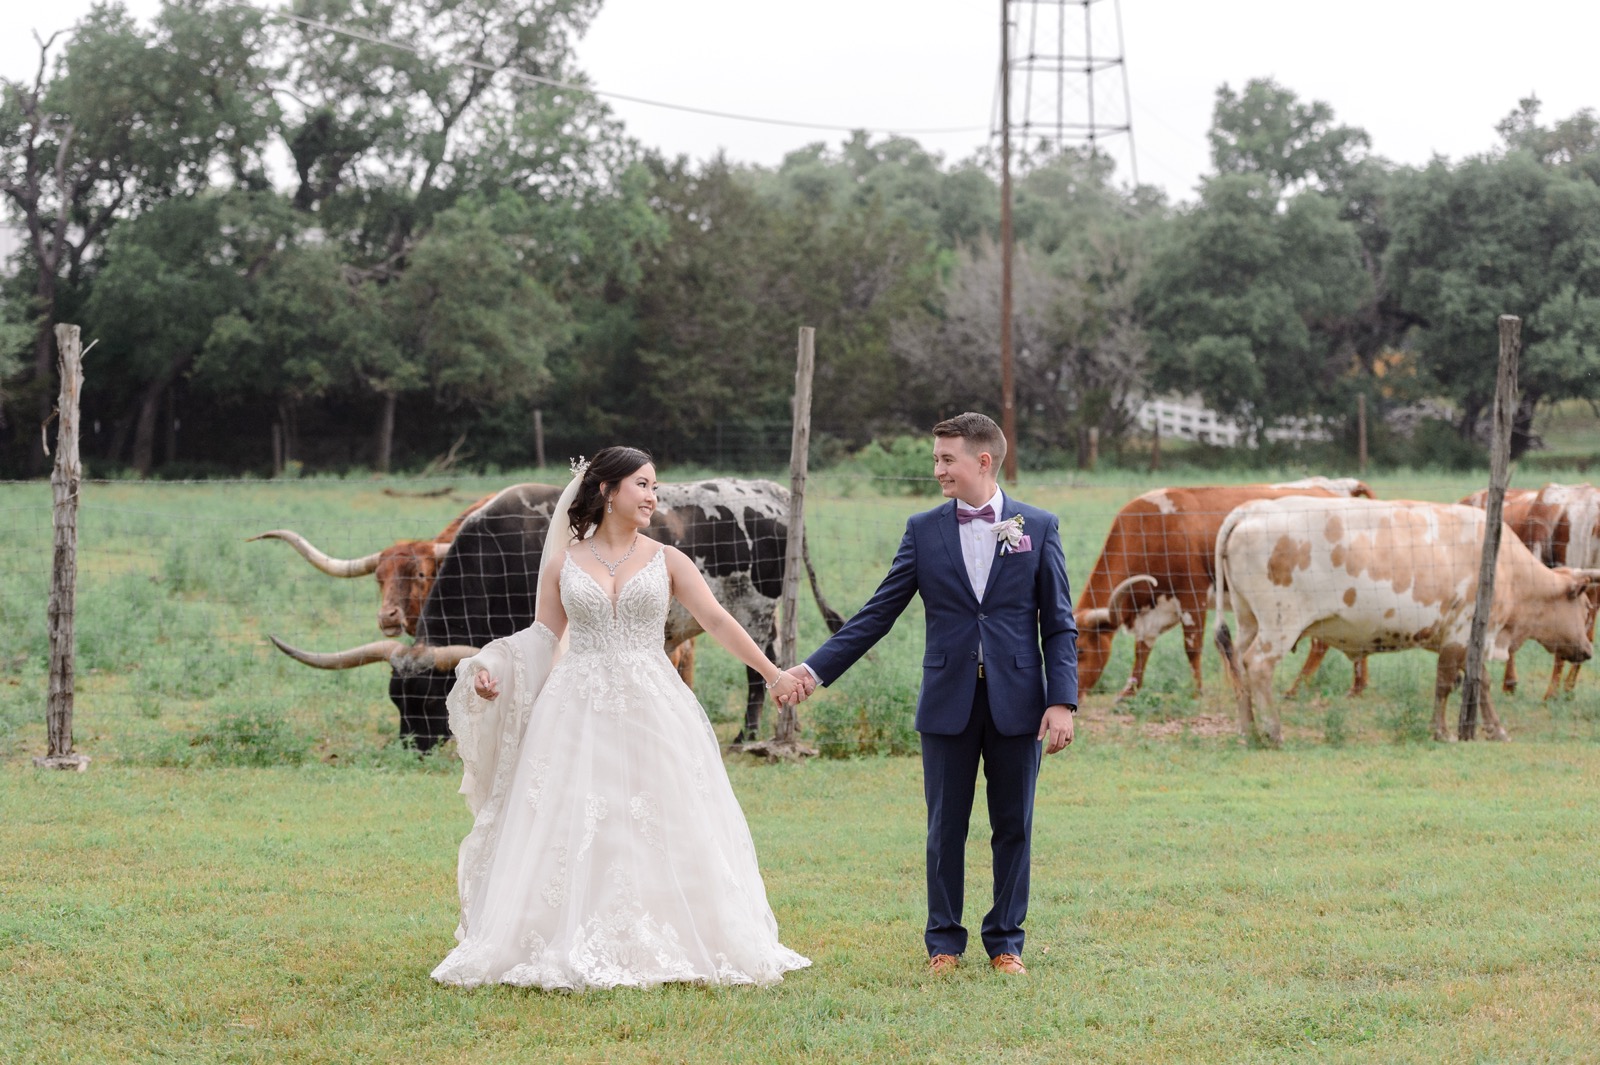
{"points": [[607, 847]]}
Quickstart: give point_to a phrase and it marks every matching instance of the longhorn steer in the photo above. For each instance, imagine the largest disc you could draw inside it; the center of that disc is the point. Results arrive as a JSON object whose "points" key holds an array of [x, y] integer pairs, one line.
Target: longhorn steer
{"points": [[1367, 576], [1155, 571], [735, 531], [405, 570]]}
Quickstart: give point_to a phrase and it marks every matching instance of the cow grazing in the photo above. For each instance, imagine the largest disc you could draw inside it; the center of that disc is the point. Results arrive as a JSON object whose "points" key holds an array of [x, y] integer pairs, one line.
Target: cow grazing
{"points": [[1155, 571], [734, 530], [1367, 576], [1560, 523]]}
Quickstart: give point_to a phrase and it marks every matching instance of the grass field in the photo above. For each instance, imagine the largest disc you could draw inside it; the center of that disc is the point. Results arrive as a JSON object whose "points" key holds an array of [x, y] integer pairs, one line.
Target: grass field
{"points": [[1191, 903], [252, 870]]}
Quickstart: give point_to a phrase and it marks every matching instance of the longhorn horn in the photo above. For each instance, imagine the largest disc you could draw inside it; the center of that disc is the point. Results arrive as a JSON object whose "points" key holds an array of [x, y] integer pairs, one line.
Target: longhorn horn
{"points": [[441, 549], [333, 567], [445, 659], [1120, 592], [397, 654], [365, 655]]}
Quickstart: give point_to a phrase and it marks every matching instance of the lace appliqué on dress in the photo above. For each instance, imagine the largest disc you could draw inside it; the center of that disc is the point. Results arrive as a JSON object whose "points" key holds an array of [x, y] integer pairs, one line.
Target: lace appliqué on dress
{"points": [[610, 850]]}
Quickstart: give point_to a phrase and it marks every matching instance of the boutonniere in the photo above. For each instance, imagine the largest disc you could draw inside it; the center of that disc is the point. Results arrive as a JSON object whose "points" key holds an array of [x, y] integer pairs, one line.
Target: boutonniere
{"points": [[1011, 536]]}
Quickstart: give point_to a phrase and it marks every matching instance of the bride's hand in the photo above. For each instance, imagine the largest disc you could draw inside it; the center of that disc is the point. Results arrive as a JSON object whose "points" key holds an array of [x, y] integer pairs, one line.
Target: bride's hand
{"points": [[786, 690], [484, 684]]}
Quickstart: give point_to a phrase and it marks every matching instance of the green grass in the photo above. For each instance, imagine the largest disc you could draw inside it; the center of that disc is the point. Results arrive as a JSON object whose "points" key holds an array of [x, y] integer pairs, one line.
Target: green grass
{"points": [[1190, 904], [252, 869]]}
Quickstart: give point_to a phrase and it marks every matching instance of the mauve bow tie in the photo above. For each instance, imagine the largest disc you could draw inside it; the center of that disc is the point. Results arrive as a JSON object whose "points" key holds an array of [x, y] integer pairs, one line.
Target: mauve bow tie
{"points": [[983, 513]]}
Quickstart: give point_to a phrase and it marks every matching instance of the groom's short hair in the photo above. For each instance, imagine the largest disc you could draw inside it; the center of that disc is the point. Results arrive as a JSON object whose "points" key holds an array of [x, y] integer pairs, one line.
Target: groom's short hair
{"points": [[979, 431]]}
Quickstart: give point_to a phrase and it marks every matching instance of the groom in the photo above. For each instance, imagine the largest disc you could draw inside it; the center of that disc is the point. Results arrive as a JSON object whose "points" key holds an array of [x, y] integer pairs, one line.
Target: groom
{"points": [[999, 675]]}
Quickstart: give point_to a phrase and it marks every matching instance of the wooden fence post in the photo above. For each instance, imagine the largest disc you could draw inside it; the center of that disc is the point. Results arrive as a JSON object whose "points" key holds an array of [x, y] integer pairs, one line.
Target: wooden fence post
{"points": [[788, 728], [785, 741], [64, 481], [538, 437], [1505, 405], [1361, 433]]}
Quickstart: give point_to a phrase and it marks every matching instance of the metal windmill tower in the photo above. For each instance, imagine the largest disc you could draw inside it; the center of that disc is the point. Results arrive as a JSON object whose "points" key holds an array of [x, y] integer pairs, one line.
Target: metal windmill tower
{"points": [[1068, 77], [1062, 61]]}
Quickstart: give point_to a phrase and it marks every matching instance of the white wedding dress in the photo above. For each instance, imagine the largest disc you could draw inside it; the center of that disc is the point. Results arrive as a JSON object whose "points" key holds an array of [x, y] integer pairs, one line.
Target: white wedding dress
{"points": [[608, 848]]}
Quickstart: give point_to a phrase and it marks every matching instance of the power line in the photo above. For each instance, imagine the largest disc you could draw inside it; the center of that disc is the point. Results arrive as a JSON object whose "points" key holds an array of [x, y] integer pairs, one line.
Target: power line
{"points": [[568, 86]]}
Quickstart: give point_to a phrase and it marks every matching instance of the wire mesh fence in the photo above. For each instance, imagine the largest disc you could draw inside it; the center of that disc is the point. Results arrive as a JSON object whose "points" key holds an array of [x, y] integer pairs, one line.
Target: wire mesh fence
{"points": [[176, 605]]}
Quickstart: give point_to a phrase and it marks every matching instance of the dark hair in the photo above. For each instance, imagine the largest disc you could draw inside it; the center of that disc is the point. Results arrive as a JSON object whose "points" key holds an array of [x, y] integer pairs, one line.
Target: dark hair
{"points": [[608, 467], [979, 431]]}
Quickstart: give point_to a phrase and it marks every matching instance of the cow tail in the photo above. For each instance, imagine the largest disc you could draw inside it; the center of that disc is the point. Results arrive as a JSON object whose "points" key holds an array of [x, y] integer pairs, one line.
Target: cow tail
{"points": [[834, 619], [1223, 637]]}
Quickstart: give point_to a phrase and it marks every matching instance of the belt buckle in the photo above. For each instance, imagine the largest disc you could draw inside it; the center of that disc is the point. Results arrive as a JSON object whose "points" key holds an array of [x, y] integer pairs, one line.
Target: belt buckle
{"points": [[980, 670]]}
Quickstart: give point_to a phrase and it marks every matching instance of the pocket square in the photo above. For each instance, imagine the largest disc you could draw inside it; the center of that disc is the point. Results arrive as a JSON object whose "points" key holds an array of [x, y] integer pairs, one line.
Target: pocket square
{"points": [[1024, 544]]}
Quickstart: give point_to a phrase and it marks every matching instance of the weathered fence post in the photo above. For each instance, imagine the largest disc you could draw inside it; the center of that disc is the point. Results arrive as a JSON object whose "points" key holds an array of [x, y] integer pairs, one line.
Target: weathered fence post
{"points": [[1505, 405], [1155, 446], [538, 437], [1361, 433], [787, 732], [64, 480], [785, 741]]}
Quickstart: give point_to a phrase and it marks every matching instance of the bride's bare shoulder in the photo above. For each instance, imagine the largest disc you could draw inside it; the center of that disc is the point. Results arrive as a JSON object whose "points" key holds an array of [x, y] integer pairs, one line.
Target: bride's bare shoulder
{"points": [[676, 560]]}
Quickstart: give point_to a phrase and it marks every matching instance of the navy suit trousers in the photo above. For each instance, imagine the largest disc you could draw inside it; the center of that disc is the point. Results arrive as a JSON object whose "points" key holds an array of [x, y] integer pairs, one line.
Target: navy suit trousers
{"points": [[949, 781]]}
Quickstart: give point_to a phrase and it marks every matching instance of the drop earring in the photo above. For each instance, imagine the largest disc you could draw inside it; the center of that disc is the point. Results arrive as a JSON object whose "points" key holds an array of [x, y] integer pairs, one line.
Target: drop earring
{"points": [[608, 506]]}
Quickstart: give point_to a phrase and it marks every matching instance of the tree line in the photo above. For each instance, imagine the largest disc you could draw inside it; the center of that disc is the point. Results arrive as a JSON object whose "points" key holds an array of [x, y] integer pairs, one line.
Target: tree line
{"points": [[364, 235]]}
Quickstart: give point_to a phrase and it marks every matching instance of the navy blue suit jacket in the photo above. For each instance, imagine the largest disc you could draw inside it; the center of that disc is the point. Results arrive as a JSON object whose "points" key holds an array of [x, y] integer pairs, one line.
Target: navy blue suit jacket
{"points": [[1024, 619]]}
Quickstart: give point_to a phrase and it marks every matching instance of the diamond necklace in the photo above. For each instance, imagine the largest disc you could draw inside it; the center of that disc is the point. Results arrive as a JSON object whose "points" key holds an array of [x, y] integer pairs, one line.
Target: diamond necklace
{"points": [[611, 567]]}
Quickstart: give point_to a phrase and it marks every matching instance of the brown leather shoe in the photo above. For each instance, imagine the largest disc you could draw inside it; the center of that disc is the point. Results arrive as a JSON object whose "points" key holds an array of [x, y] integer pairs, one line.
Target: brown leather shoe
{"points": [[940, 964], [1008, 963]]}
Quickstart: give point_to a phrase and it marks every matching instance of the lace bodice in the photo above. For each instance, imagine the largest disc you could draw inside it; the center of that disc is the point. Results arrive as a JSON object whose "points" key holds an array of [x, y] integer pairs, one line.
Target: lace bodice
{"points": [[631, 625]]}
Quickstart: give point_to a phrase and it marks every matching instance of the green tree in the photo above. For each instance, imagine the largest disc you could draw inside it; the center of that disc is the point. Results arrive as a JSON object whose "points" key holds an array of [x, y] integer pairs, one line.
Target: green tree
{"points": [[1266, 129], [465, 321], [1080, 349], [1238, 297], [391, 141], [119, 119], [289, 340], [169, 275], [1505, 234]]}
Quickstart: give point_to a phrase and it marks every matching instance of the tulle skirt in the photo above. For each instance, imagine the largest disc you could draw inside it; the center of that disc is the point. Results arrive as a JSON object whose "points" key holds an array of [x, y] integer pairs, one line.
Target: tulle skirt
{"points": [[615, 854]]}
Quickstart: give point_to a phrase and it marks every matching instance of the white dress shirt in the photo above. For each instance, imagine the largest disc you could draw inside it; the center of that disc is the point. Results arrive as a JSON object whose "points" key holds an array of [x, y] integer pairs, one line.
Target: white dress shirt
{"points": [[977, 542]]}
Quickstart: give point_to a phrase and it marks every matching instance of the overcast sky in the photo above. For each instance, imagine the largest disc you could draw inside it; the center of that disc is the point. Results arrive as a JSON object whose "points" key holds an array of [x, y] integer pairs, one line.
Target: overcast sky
{"points": [[1423, 78]]}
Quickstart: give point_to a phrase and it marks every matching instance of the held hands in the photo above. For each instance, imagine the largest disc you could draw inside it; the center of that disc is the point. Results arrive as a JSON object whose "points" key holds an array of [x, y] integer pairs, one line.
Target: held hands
{"points": [[806, 679], [484, 684], [785, 689], [1057, 726]]}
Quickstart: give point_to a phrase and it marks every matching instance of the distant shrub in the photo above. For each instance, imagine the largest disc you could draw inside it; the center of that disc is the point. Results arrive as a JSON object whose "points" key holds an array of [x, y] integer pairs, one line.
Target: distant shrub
{"points": [[1437, 445], [903, 463], [249, 736]]}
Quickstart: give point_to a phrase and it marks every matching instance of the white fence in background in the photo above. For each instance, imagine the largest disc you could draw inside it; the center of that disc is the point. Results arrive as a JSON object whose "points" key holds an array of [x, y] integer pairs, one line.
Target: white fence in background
{"points": [[1189, 420]]}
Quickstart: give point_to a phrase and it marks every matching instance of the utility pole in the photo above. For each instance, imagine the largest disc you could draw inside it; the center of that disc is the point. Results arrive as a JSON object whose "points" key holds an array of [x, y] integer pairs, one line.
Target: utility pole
{"points": [[1008, 384], [1057, 40]]}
